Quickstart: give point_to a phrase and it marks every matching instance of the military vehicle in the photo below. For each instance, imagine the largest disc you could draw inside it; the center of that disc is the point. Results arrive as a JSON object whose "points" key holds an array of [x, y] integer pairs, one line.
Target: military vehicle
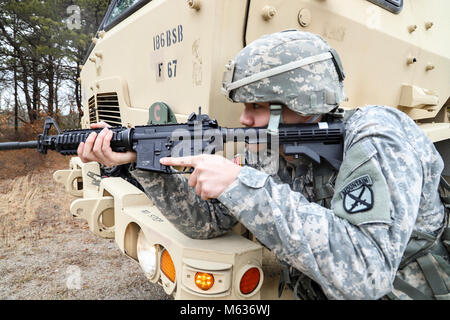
{"points": [[158, 61]]}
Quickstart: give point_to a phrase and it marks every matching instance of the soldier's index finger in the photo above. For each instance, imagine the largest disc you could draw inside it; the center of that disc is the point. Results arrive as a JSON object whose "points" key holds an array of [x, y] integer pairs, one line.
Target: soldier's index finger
{"points": [[181, 161]]}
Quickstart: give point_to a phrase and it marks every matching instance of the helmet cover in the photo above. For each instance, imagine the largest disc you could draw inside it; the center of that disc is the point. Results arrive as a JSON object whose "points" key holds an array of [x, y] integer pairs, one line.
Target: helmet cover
{"points": [[294, 68]]}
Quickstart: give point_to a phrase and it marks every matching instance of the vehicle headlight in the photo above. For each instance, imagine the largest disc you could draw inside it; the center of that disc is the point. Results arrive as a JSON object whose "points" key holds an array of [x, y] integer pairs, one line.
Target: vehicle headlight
{"points": [[147, 256]]}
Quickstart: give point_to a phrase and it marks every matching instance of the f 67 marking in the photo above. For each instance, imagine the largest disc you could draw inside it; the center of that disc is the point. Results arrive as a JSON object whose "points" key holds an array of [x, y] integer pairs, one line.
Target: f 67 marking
{"points": [[171, 70]]}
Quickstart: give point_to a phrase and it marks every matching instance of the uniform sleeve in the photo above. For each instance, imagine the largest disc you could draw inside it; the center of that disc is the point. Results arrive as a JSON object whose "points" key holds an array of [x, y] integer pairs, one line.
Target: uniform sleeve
{"points": [[194, 217], [353, 249]]}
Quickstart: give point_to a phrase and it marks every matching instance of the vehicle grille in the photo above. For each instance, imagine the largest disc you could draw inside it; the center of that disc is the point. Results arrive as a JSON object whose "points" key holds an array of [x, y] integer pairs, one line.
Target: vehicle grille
{"points": [[105, 108], [108, 108], [92, 111]]}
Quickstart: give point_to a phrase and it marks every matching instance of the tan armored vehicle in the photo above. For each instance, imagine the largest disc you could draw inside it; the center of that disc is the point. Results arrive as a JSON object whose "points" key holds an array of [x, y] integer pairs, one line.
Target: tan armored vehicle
{"points": [[171, 55]]}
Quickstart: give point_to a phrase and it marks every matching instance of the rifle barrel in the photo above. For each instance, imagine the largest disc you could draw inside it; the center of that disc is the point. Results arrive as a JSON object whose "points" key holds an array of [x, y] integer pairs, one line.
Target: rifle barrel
{"points": [[18, 145]]}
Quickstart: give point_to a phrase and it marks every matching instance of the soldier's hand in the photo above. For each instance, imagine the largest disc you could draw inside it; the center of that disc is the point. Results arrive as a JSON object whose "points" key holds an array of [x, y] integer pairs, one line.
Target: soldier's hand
{"points": [[97, 147], [212, 174]]}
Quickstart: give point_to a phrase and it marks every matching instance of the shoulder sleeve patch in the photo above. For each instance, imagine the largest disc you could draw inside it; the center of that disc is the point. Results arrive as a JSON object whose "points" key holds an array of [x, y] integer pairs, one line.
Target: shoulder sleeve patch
{"points": [[361, 194]]}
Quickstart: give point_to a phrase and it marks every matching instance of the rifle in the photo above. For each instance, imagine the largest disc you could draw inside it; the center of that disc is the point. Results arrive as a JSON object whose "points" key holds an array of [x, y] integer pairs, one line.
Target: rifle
{"points": [[200, 134]]}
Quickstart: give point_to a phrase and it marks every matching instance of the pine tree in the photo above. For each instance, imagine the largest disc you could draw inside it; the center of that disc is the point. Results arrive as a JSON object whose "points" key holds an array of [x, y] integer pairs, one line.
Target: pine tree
{"points": [[38, 50]]}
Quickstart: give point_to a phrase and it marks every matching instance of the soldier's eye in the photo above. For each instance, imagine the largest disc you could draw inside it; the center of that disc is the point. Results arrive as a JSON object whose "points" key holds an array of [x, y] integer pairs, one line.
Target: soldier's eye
{"points": [[256, 106]]}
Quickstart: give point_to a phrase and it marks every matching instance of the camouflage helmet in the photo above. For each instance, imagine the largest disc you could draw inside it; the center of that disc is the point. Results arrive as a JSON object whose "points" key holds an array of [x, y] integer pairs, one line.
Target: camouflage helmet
{"points": [[294, 68]]}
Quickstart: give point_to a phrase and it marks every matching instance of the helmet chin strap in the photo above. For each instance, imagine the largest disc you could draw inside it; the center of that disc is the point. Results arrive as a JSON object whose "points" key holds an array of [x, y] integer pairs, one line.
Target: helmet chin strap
{"points": [[275, 119]]}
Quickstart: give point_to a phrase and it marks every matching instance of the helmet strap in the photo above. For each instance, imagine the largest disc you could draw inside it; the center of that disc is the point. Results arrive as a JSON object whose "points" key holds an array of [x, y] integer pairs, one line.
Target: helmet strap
{"points": [[275, 119]]}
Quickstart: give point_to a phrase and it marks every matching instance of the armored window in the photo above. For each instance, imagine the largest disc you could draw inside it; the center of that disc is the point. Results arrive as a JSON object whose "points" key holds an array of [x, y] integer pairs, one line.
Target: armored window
{"points": [[394, 6], [119, 10], [120, 7]]}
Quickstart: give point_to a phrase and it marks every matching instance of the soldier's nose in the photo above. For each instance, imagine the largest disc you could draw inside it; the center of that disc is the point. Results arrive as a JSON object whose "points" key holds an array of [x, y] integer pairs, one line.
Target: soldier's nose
{"points": [[246, 119]]}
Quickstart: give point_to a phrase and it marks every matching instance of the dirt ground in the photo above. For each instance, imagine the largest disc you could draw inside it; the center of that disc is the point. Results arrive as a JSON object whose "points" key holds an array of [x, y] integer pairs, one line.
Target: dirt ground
{"points": [[47, 254]]}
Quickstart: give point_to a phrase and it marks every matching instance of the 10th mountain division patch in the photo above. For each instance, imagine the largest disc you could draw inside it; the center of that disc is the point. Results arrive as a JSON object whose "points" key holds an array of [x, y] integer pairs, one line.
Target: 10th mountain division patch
{"points": [[358, 195]]}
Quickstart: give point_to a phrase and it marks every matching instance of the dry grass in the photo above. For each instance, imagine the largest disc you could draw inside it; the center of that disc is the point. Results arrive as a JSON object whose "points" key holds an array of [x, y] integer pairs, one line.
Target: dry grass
{"points": [[41, 244], [30, 205]]}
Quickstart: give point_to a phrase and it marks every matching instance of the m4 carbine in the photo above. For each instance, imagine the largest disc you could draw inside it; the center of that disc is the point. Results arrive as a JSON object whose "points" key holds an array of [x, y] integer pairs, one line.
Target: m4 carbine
{"points": [[200, 134]]}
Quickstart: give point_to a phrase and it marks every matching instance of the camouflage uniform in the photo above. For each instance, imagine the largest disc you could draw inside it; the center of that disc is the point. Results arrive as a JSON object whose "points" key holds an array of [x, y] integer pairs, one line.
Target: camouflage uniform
{"points": [[351, 239], [351, 257]]}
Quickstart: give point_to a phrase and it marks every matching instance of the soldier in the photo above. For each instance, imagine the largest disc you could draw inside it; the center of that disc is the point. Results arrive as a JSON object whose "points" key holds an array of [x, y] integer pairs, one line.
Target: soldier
{"points": [[370, 230]]}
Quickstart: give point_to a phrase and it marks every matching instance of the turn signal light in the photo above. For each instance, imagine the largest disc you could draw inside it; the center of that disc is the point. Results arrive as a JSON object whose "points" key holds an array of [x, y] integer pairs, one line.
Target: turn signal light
{"points": [[249, 281], [204, 280], [167, 266]]}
